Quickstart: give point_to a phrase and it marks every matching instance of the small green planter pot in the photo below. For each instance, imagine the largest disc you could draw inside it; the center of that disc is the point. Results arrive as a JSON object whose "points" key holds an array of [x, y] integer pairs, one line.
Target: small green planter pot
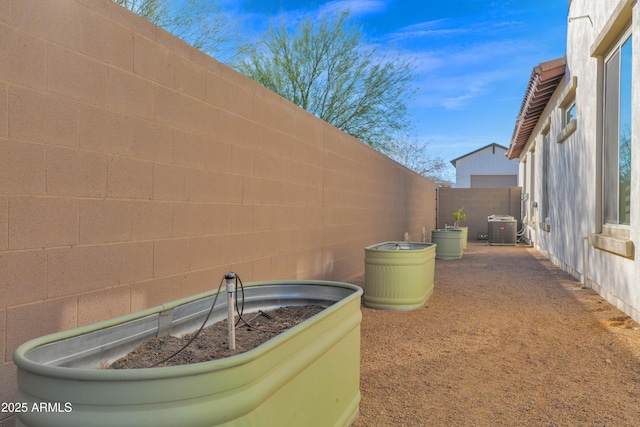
{"points": [[398, 275], [306, 376], [449, 243], [465, 234]]}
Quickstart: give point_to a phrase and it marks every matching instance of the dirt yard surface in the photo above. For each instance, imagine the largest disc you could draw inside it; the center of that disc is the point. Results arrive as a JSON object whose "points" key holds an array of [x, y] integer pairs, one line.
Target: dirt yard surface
{"points": [[507, 339]]}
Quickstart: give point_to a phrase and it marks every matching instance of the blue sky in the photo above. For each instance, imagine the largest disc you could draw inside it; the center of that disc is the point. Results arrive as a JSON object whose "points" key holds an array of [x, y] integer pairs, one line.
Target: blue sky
{"points": [[474, 57]]}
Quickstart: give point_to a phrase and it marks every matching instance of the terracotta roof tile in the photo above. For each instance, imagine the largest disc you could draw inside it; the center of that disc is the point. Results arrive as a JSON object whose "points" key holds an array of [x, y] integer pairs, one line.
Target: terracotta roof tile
{"points": [[544, 80]]}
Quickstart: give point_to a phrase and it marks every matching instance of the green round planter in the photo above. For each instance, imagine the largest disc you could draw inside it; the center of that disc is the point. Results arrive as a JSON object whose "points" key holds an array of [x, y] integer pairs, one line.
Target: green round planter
{"points": [[449, 243], [398, 275], [465, 234], [306, 376]]}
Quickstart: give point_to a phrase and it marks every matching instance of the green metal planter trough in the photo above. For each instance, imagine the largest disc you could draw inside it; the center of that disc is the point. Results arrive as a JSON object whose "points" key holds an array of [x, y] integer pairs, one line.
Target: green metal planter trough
{"points": [[306, 376], [449, 241], [399, 275], [465, 235]]}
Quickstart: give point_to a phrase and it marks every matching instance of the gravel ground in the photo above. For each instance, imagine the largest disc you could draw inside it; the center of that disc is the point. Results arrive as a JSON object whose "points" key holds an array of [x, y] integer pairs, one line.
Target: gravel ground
{"points": [[507, 339]]}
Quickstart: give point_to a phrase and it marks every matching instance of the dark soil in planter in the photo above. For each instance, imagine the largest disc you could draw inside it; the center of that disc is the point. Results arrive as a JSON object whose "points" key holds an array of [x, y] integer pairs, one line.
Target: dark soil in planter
{"points": [[212, 342]]}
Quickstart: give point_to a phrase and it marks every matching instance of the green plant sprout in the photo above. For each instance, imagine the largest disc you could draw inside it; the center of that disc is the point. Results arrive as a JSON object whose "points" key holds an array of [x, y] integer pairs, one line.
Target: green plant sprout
{"points": [[458, 216]]}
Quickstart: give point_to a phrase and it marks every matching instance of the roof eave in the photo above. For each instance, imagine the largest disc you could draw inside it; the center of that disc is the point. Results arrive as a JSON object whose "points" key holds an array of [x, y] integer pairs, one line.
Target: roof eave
{"points": [[543, 82], [493, 144]]}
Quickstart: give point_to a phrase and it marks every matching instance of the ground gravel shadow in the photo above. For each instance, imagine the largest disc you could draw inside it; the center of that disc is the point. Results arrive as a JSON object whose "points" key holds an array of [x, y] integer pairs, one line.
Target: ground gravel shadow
{"points": [[507, 339]]}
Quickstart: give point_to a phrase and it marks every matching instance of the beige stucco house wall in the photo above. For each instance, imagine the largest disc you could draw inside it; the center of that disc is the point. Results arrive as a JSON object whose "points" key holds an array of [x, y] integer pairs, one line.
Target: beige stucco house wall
{"points": [[135, 170], [562, 167]]}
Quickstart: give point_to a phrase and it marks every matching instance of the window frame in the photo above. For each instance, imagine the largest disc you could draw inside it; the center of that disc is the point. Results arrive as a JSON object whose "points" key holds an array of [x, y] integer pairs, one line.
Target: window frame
{"points": [[545, 205], [608, 141], [615, 239], [569, 113], [568, 103]]}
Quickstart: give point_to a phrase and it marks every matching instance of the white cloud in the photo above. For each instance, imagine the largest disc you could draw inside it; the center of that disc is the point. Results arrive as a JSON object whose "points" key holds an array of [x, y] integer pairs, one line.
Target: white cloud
{"points": [[452, 27], [426, 29], [357, 7], [453, 76], [293, 17], [455, 91]]}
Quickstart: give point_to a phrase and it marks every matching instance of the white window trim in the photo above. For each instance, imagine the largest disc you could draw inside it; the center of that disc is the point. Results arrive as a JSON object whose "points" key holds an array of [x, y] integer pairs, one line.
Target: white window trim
{"points": [[615, 26], [566, 100], [614, 239], [568, 109]]}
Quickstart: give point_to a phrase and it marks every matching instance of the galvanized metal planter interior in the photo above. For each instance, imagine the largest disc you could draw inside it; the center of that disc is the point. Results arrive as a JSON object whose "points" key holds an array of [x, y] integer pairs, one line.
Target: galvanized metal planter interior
{"points": [[399, 275], [308, 375]]}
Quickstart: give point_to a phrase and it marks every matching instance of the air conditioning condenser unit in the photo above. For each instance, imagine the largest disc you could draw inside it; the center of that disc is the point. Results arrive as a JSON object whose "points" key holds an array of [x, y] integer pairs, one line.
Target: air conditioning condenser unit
{"points": [[502, 230]]}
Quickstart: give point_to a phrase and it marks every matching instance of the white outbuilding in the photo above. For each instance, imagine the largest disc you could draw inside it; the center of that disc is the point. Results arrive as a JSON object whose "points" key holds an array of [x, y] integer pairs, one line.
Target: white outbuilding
{"points": [[486, 167]]}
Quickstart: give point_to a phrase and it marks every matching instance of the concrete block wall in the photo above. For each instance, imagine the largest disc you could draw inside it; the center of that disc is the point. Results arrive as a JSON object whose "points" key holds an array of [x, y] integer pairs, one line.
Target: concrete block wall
{"points": [[135, 170], [478, 204]]}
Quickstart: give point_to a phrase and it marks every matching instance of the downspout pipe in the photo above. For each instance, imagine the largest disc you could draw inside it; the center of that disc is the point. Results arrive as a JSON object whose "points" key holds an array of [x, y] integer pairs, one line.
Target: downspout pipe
{"points": [[585, 246]]}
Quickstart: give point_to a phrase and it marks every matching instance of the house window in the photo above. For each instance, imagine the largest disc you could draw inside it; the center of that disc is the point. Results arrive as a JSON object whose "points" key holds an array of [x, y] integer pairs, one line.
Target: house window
{"points": [[533, 197], [617, 135], [546, 158], [612, 47], [567, 106], [569, 113]]}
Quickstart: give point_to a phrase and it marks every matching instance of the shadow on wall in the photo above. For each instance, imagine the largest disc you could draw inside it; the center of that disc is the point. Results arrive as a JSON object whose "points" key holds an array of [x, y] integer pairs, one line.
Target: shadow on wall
{"points": [[569, 223]]}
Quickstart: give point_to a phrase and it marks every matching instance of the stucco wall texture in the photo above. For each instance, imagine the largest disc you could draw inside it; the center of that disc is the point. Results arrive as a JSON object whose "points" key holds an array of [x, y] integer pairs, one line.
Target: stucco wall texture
{"points": [[136, 170]]}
